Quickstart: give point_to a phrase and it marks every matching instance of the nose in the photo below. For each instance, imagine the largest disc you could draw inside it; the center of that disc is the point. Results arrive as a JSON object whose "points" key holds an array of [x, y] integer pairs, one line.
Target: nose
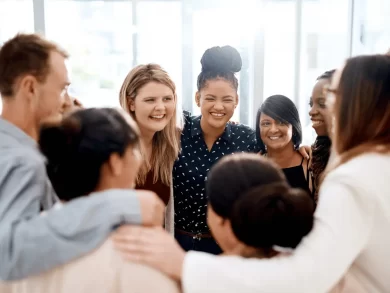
{"points": [[273, 128], [313, 111], [67, 103], [218, 106], [160, 105]]}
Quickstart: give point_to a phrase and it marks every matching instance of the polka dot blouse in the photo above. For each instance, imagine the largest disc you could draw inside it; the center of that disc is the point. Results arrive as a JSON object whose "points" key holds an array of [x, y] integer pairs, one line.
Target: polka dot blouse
{"points": [[194, 162]]}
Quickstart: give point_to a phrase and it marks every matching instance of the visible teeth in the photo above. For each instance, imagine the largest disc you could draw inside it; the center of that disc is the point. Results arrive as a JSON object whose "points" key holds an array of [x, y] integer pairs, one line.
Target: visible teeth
{"points": [[158, 116], [274, 137], [217, 114], [317, 122]]}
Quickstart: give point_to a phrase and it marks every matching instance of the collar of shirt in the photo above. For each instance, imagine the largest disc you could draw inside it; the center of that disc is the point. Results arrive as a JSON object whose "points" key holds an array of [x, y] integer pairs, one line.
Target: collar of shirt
{"points": [[197, 130], [13, 131]]}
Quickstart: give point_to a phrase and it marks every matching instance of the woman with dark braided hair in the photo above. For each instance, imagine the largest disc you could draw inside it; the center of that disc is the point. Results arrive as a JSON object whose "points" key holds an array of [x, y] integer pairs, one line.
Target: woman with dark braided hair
{"points": [[319, 114]]}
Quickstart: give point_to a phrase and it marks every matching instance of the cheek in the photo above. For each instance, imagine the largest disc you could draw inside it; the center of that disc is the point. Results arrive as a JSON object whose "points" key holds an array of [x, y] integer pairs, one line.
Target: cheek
{"points": [[170, 109], [324, 112], [263, 132], [205, 107], [142, 111], [288, 131], [229, 108], [211, 218]]}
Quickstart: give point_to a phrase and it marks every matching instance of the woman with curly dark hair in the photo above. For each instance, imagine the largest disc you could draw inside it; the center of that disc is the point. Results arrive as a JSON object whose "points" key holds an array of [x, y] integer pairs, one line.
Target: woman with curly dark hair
{"points": [[319, 114]]}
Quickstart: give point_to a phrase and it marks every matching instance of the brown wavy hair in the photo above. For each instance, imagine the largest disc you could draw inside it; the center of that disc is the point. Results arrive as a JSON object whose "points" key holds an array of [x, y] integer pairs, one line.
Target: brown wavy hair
{"points": [[166, 143], [362, 108]]}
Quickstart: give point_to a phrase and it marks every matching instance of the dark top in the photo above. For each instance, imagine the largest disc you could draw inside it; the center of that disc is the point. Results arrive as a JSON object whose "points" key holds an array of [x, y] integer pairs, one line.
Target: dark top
{"points": [[296, 177], [163, 191], [191, 168]]}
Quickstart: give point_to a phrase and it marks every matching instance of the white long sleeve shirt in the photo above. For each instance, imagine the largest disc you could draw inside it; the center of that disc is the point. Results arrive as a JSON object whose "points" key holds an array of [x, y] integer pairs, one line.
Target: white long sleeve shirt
{"points": [[351, 233]]}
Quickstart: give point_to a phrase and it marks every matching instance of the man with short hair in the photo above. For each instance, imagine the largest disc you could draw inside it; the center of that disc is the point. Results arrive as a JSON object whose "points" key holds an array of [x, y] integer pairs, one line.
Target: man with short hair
{"points": [[33, 86]]}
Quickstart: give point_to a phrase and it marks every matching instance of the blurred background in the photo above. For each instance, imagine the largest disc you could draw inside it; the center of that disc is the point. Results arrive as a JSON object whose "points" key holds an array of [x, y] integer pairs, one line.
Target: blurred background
{"points": [[284, 44]]}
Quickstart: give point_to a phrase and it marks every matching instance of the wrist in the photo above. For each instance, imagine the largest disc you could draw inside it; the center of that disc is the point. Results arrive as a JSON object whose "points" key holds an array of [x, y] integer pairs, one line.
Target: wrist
{"points": [[177, 272]]}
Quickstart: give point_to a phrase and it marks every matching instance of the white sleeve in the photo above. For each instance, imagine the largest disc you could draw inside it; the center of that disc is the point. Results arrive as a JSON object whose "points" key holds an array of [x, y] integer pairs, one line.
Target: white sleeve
{"points": [[342, 226]]}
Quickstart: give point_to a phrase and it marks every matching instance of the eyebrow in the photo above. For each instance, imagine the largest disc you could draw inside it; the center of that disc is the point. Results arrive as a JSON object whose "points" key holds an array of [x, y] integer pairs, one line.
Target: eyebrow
{"points": [[210, 95], [153, 97]]}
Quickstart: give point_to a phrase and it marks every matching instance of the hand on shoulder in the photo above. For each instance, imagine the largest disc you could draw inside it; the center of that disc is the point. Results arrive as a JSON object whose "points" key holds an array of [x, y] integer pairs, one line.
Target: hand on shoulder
{"points": [[152, 208]]}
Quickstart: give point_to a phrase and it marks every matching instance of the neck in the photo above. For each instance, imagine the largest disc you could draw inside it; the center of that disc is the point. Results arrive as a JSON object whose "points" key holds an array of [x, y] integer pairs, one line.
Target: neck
{"points": [[147, 137], [282, 156], [18, 115], [246, 251], [210, 132], [147, 143]]}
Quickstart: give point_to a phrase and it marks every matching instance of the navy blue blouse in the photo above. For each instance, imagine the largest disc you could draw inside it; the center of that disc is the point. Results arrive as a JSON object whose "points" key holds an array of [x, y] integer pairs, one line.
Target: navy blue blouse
{"points": [[194, 162]]}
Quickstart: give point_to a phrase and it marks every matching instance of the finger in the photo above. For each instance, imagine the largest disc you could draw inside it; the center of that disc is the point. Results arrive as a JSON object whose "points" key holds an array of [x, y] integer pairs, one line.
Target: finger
{"points": [[138, 236], [136, 258], [130, 248], [133, 232]]}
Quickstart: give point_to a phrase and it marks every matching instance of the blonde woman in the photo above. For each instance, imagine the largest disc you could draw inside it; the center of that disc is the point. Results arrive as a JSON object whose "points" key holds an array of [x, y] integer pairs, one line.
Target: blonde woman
{"points": [[148, 94]]}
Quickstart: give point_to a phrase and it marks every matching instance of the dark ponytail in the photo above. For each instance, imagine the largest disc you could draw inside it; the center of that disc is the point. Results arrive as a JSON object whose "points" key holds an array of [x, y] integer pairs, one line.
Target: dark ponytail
{"points": [[77, 148], [252, 192], [272, 214]]}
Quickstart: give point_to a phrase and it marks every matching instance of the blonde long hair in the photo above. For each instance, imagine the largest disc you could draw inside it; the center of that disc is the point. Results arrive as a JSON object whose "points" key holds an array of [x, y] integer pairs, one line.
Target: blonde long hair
{"points": [[166, 143]]}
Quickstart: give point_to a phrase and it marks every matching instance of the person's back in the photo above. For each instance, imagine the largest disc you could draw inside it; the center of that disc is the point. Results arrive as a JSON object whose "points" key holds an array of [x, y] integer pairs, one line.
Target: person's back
{"points": [[102, 271], [368, 175]]}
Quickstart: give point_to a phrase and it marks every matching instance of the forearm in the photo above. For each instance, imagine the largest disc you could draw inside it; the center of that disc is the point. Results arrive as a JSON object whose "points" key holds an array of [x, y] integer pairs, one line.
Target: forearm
{"points": [[338, 237]]}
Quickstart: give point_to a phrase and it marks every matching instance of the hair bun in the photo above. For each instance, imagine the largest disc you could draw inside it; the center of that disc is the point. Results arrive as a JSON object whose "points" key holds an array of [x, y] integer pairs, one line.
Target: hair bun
{"points": [[56, 141], [272, 214], [224, 58]]}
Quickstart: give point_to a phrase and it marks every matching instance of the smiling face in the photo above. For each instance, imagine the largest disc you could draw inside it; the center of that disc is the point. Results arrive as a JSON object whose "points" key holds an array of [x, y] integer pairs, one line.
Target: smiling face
{"points": [[275, 134], [153, 107], [217, 101], [319, 111]]}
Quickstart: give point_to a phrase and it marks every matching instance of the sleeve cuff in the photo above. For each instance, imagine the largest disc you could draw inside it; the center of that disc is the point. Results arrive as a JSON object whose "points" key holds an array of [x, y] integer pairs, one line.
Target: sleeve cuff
{"points": [[124, 207]]}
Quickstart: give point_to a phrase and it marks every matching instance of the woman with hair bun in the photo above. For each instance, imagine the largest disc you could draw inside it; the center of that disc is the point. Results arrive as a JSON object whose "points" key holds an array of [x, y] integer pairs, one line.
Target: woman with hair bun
{"points": [[204, 140], [252, 209]]}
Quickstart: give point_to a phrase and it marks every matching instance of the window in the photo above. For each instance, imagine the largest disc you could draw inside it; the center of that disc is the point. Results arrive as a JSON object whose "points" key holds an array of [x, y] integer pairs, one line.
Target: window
{"points": [[219, 24], [324, 46], [159, 37], [279, 48], [376, 34], [98, 35], [15, 16]]}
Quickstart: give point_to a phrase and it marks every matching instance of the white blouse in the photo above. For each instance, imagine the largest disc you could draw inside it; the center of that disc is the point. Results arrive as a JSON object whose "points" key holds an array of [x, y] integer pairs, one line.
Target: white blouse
{"points": [[351, 233]]}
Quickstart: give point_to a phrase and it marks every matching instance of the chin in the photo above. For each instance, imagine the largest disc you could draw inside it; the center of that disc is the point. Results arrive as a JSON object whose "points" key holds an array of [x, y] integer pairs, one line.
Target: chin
{"points": [[217, 123], [52, 119], [321, 130], [276, 146], [156, 128]]}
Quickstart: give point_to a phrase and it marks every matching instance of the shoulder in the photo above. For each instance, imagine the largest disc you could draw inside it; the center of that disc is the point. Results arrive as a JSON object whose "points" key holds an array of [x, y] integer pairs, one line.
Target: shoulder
{"points": [[375, 163], [246, 135], [366, 174], [242, 128], [22, 159], [190, 120]]}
